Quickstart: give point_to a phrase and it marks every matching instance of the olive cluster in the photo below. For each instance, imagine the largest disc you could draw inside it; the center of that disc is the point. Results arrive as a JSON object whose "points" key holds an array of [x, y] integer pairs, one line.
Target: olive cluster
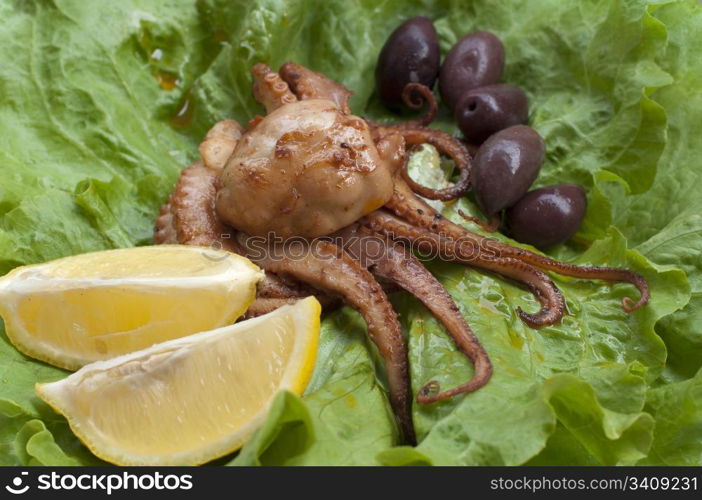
{"points": [[490, 115]]}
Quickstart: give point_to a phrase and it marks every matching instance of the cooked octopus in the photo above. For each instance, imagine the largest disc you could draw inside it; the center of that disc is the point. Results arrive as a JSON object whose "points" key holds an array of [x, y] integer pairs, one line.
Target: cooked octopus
{"points": [[320, 198]]}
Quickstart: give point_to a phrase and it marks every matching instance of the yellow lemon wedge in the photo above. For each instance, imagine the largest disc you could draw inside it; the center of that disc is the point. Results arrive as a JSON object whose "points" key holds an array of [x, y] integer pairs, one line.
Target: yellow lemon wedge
{"points": [[84, 308], [192, 399]]}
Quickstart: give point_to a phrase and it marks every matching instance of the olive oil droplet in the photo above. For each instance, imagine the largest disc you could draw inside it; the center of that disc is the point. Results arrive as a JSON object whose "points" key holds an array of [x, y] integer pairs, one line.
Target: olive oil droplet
{"points": [[167, 80]]}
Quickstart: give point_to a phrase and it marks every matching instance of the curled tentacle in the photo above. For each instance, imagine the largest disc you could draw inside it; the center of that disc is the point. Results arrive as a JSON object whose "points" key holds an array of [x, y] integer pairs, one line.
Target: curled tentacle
{"points": [[587, 272], [415, 95], [389, 260], [324, 265], [407, 206], [543, 288], [415, 134], [466, 252], [308, 84], [448, 146], [269, 89]]}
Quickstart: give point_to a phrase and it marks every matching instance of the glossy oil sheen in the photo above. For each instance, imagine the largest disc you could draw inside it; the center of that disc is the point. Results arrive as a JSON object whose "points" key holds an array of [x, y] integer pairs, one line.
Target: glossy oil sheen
{"points": [[505, 167], [547, 216], [476, 60], [410, 55], [485, 110]]}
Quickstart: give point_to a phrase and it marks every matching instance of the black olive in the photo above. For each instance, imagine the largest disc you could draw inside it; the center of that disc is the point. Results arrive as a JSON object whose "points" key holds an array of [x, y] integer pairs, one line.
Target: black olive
{"points": [[410, 55], [547, 216], [483, 111], [505, 166], [476, 60]]}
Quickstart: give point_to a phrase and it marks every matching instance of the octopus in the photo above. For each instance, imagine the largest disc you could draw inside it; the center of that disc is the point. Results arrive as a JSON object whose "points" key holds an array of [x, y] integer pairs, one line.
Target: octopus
{"points": [[321, 199]]}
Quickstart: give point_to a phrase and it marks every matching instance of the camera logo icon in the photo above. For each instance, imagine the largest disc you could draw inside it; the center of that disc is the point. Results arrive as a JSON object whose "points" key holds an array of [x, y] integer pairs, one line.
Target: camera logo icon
{"points": [[16, 488]]}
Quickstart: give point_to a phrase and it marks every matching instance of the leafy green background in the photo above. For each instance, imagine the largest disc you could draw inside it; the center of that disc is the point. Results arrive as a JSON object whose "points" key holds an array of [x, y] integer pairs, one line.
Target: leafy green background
{"points": [[91, 143]]}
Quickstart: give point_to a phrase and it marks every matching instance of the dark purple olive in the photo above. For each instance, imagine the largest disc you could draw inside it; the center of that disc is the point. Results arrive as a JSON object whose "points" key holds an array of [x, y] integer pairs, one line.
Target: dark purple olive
{"points": [[547, 216], [410, 55], [476, 60], [505, 166], [483, 111]]}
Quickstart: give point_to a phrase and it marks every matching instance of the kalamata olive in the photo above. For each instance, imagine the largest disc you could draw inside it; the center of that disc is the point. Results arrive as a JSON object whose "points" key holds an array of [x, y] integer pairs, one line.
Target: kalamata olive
{"points": [[547, 216], [410, 55], [505, 166], [476, 60], [483, 111]]}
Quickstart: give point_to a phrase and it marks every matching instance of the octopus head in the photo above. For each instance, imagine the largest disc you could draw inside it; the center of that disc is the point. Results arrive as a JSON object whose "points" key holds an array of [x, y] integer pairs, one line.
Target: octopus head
{"points": [[307, 169]]}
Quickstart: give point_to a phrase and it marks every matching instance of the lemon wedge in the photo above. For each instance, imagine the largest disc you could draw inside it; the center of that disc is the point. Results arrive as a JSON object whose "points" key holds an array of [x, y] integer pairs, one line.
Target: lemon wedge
{"points": [[192, 399], [84, 308]]}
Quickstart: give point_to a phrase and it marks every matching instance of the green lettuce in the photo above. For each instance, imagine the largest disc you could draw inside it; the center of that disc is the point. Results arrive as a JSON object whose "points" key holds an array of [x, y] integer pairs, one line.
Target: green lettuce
{"points": [[665, 223], [343, 420], [103, 104]]}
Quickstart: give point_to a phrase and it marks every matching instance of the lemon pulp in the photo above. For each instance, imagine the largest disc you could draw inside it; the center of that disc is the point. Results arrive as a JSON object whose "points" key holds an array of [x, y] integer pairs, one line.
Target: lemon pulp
{"points": [[192, 399], [94, 306]]}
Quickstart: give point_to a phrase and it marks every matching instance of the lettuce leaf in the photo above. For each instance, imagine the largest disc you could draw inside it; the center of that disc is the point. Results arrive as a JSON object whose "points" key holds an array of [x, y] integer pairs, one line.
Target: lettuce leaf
{"points": [[677, 410], [103, 104], [666, 222], [344, 417]]}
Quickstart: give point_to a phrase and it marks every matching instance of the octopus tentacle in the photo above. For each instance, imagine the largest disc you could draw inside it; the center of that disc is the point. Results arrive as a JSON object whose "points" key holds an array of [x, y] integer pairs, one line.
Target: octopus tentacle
{"points": [[407, 206], [489, 226], [465, 252], [586, 272], [543, 288], [164, 229], [263, 306], [219, 143], [281, 287], [308, 84], [269, 89], [192, 206], [324, 265], [448, 146], [414, 134], [392, 261], [416, 95]]}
